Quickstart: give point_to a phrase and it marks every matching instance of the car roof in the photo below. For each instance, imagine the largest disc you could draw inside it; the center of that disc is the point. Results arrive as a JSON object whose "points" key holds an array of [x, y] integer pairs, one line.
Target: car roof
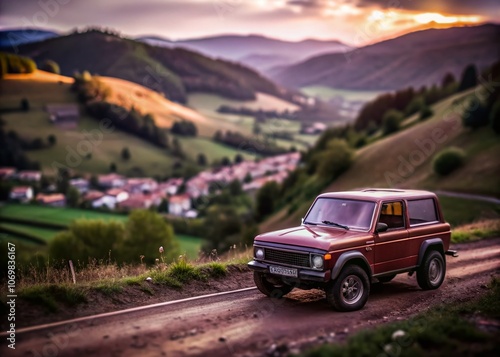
{"points": [[377, 194]]}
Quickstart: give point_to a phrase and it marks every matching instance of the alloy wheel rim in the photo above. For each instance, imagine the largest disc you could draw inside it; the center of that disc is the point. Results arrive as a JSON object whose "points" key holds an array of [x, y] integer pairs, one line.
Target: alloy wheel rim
{"points": [[351, 289]]}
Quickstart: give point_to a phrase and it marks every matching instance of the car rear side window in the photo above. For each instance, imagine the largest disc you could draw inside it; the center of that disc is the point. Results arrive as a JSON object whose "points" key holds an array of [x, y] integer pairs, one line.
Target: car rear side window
{"points": [[422, 211]]}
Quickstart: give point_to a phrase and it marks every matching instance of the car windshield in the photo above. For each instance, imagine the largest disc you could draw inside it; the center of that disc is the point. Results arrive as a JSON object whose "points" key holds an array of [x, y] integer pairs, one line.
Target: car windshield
{"points": [[348, 214]]}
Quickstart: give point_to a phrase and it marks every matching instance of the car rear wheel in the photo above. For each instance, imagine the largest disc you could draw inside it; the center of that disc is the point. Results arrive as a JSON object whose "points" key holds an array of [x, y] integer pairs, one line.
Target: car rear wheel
{"points": [[270, 289], [349, 292], [430, 275]]}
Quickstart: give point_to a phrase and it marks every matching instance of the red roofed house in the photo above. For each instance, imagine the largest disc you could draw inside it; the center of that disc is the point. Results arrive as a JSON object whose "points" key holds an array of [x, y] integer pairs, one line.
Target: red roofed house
{"points": [[111, 181], [179, 204], [27, 175], [7, 172], [111, 198], [21, 193], [53, 199]]}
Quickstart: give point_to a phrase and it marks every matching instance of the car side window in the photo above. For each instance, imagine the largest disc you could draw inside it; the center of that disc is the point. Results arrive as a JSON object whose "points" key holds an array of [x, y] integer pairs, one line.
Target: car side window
{"points": [[391, 214], [422, 211]]}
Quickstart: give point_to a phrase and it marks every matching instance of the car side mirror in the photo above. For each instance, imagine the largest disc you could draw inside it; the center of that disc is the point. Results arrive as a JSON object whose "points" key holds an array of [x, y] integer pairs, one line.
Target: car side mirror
{"points": [[381, 227]]}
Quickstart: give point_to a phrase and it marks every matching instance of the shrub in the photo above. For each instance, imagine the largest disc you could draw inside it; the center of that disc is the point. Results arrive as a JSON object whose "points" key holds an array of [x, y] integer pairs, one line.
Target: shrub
{"points": [[50, 66], [448, 160], [475, 115], [495, 117], [334, 160], [425, 113], [391, 120]]}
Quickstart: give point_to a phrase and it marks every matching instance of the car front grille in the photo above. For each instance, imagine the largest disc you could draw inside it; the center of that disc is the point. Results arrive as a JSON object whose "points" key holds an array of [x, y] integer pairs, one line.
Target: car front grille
{"points": [[289, 258]]}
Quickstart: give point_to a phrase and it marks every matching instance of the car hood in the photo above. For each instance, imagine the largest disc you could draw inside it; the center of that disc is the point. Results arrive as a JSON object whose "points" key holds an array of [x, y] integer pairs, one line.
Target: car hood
{"points": [[319, 237]]}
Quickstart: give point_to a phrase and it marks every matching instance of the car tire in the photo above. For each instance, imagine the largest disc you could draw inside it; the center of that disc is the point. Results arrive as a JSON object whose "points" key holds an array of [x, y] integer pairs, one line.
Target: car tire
{"points": [[350, 291], [269, 289], [431, 273], [387, 278]]}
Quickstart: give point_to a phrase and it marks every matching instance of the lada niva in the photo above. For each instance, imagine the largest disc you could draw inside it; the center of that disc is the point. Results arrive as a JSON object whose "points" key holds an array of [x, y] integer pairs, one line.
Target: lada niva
{"points": [[347, 240]]}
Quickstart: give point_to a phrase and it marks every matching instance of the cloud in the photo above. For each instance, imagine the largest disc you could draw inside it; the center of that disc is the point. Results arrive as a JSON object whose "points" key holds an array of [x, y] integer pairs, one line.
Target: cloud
{"points": [[480, 7]]}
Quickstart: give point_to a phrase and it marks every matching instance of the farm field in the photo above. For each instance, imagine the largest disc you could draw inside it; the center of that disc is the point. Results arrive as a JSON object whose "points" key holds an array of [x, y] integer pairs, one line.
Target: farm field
{"points": [[189, 245], [327, 93]]}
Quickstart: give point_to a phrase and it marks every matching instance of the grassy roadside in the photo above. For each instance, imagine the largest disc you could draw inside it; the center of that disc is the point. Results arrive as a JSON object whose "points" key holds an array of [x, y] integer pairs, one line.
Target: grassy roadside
{"points": [[53, 288], [465, 329]]}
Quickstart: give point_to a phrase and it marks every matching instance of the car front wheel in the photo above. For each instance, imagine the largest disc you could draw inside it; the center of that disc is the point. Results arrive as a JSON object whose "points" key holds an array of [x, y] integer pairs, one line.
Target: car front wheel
{"points": [[270, 289], [430, 275], [349, 292]]}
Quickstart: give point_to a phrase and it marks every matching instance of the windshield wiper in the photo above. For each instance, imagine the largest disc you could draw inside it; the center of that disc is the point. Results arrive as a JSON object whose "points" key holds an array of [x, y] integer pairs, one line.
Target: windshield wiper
{"points": [[335, 224], [311, 223]]}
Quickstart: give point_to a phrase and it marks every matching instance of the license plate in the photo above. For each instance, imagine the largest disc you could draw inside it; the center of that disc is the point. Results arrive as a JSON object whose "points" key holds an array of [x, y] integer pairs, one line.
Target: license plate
{"points": [[283, 271]]}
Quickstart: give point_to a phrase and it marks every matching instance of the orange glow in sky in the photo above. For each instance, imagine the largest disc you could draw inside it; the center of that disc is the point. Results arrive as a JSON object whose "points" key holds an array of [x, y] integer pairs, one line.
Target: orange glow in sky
{"points": [[427, 17]]}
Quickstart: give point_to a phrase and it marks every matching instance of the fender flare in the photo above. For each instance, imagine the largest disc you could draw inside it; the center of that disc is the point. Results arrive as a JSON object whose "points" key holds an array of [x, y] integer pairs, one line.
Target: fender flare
{"points": [[426, 245], [345, 258]]}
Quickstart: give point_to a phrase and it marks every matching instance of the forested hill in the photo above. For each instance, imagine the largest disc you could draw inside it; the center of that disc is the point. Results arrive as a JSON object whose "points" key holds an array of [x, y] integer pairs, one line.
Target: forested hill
{"points": [[174, 72]]}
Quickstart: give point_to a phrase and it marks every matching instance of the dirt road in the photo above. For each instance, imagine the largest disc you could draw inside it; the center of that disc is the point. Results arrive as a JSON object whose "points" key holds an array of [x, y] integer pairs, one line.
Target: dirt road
{"points": [[249, 324]]}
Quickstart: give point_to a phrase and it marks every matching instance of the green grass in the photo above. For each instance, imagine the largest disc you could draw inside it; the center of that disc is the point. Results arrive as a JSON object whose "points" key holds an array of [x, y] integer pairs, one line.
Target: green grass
{"points": [[62, 216], [189, 245], [212, 150], [42, 233], [460, 211], [447, 330], [475, 231], [327, 93], [50, 296]]}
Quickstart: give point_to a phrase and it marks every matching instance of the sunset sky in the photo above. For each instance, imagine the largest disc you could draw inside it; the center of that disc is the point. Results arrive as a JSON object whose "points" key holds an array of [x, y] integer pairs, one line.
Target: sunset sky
{"points": [[354, 22]]}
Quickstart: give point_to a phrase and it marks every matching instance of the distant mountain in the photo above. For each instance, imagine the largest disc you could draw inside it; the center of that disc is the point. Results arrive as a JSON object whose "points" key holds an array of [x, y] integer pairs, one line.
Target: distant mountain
{"points": [[15, 37], [259, 52], [415, 59], [173, 72]]}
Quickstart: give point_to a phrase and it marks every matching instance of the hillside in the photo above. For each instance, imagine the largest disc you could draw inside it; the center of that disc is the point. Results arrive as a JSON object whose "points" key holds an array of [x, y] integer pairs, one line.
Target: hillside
{"points": [[404, 160], [174, 72], [259, 52], [42, 88], [12, 38], [415, 59]]}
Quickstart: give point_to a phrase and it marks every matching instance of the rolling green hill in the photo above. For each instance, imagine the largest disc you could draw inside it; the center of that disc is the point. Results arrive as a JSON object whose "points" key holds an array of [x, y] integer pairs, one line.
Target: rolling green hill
{"points": [[41, 88], [404, 160]]}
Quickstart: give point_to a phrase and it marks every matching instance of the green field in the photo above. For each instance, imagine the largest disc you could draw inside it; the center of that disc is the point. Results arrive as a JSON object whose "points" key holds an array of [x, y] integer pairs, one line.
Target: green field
{"points": [[327, 93], [212, 150], [64, 216], [459, 211]]}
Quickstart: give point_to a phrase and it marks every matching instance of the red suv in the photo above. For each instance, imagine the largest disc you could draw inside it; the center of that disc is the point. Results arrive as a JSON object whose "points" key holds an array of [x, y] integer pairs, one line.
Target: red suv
{"points": [[349, 239]]}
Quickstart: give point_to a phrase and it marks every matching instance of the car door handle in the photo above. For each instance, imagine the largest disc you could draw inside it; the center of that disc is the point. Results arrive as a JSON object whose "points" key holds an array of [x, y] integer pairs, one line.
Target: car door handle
{"points": [[370, 242]]}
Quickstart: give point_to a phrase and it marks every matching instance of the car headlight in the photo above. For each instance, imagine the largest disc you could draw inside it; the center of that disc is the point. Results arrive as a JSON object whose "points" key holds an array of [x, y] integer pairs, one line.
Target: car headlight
{"points": [[259, 253], [317, 261]]}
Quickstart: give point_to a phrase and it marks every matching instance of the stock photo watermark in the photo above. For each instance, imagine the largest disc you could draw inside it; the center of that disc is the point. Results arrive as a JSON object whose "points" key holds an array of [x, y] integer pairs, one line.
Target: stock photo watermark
{"points": [[11, 295]]}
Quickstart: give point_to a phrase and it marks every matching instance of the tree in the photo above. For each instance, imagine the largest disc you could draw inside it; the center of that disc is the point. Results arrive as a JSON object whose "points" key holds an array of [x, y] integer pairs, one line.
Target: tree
{"points": [[222, 227], [469, 78], [87, 239], [495, 117], [25, 104], [266, 198], [125, 154], [63, 180], [391, 120], [448, 79], [238, 158], [72, 197], [202, 159], [146, 232], [112, 167], [235, 188], [52, 139], [50, 66], [333, 161], [177, 148], [415, 105], [475, 115], [225, 161]]}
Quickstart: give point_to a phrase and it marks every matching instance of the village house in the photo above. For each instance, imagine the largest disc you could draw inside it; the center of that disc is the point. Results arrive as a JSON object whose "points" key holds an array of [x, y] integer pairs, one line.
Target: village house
{"points": [[171, 186], [7, 172], [92, 195], [111, 181], [111, 198], [141, 185], [140, 201], [22, 194], [178, 205], [29, 175], [53, 199], [64, 115], [82, 185]]}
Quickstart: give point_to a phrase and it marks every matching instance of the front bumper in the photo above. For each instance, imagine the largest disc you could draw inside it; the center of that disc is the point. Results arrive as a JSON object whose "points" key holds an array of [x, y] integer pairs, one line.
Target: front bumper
{"points": [[304, 274]]}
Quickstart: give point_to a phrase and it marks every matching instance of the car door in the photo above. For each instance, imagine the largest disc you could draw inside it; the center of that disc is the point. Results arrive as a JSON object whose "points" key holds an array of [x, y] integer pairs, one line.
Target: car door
{"points": [[391, 246]]}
